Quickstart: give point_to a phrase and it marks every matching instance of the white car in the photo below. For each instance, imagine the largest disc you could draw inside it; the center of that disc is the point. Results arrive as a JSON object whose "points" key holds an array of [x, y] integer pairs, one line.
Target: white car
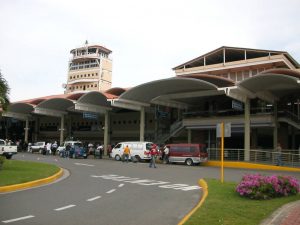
{"points": [[137, 149], [38, 147]]}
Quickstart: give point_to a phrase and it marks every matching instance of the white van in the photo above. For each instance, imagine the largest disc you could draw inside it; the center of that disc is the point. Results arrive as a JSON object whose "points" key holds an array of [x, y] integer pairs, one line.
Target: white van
{"points": [[137, 149]]}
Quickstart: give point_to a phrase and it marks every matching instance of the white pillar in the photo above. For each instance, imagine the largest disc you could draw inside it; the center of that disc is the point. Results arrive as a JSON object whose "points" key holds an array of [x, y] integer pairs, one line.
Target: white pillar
{"points": [[275, 130], [247, 131], [105, 141], [189, 136], [62, 128], [142, 124], [26, 130]]}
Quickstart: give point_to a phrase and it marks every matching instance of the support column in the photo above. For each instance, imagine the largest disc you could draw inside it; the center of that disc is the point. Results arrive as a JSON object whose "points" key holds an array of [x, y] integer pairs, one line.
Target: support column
{"points": [[247, 131], [105, 141], [69, 126], [142, 124], [62, 128], [189, 136], [275, 130], [26, 131]]}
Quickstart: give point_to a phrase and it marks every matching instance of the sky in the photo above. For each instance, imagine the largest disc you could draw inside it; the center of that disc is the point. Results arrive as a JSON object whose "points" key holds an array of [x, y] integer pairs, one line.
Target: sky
{"points": [[147, 38]]}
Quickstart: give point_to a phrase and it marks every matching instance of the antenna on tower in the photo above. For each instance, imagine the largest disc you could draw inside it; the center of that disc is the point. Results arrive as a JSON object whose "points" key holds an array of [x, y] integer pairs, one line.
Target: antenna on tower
{"points": [[86, 42]]}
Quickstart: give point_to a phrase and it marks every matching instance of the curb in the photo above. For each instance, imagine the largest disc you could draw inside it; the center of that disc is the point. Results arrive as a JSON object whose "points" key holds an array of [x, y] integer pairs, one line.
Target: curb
{"points": [[246, 165], [30, 184], [281, 214], [204, 186]]}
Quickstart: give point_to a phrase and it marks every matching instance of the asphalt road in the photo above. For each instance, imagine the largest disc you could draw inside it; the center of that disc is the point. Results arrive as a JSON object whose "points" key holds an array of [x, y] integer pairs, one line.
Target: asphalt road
{"points": [[110, 193]]}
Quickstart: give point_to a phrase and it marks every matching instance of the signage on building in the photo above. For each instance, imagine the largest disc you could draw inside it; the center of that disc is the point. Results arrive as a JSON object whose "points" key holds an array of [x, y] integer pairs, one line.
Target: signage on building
{"points": [[237, 105], [90, 116]]}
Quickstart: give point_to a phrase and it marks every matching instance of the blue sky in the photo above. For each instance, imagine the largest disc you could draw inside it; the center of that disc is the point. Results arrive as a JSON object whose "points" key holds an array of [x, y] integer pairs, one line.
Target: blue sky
{"points": [[148, 38]]}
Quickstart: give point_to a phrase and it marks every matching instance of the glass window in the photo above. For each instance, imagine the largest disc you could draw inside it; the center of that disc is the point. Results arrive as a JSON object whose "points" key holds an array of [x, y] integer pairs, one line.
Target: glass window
{"points": [[118, 146]]}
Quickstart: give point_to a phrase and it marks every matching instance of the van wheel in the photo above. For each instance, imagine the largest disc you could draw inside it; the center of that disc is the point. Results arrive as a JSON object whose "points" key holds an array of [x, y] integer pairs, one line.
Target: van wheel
{"points": [[138, 158], [117, 158], [189, 162]]}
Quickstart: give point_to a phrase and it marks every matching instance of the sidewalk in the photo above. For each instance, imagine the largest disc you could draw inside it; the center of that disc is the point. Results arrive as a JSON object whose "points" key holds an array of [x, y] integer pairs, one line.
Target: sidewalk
{"points": [[288, 214]]}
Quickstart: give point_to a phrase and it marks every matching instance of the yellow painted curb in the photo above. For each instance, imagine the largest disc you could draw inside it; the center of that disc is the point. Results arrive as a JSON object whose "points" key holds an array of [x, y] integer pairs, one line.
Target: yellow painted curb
{"points": [[202, 184], [31, 184], [246, 165]]}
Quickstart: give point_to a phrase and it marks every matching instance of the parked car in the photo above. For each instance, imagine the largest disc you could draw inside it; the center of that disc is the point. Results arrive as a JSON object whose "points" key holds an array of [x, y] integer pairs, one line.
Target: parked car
{"points": [[7, 150], [189, 154], [137, 149], [38, 147], [77, 151]]}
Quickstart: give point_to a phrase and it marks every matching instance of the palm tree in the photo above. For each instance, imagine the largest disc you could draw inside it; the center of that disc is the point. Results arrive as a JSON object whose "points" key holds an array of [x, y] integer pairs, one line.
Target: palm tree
{"points": [[4, 91]]}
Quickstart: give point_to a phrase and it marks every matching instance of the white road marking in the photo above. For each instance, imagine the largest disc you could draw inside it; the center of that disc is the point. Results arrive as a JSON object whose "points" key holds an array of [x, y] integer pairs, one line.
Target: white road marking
{"points": [[18, 219], [111, 191], [147, 182], [65, 207], [93, 199], [121, 185], [82, 164]]}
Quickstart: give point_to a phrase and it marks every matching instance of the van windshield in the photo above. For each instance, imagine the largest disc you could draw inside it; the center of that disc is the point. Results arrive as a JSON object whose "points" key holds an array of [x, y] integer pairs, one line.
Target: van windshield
{"points": [[118, 146]]}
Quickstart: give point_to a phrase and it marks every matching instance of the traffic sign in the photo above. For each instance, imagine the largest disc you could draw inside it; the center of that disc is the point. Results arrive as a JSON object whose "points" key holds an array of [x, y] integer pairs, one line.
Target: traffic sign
{"points": [[227, 130]]}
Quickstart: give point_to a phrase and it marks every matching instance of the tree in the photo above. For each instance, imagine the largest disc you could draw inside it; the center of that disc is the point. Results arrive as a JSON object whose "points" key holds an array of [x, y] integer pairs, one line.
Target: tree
{"points": [[4, 91]]}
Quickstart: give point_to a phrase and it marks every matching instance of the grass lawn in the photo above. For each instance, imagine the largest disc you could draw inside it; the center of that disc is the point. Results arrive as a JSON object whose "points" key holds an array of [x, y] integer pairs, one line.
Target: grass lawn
{"points": [[15, 172], [224, 206]]}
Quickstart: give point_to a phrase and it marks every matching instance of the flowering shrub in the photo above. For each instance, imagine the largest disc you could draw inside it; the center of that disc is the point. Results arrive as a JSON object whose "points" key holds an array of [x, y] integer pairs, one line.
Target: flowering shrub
{"points": [[256, 186]]}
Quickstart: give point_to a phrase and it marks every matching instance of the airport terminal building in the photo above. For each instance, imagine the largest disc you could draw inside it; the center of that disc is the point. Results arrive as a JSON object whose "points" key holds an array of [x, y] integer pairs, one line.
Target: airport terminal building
{"points": [[255, 92]]}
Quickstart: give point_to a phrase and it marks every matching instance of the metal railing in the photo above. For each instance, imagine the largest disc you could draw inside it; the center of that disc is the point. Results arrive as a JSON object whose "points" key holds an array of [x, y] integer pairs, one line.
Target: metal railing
{"points": [[269, 156]]}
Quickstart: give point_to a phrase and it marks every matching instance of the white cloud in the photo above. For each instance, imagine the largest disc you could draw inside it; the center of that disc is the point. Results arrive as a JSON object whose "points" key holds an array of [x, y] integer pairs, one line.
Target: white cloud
{"points": [[147, 38]]}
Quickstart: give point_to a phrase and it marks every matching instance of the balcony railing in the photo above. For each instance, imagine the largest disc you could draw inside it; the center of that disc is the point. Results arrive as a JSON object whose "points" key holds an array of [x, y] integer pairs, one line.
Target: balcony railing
{"points": [[289, 157]]}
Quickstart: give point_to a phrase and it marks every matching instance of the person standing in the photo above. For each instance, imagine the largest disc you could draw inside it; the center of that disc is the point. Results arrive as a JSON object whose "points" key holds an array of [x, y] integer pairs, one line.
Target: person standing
{"points": [[279, 155], [126, 153], [48, 147], [153, 153], [54, 147], [166, 154], [100, 150]]}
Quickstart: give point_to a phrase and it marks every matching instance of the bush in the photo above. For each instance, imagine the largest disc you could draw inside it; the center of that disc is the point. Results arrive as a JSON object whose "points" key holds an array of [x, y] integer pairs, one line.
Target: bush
{"points": [[256, 186], [2, 160]]}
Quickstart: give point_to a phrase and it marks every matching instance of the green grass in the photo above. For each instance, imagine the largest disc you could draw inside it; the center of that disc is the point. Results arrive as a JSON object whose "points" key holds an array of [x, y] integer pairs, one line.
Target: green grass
{"points": [[224, 206], [16, 172]]}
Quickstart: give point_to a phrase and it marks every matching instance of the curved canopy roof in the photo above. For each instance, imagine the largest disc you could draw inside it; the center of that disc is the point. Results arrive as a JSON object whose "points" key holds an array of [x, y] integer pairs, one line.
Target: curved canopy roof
{"points": [[278, 82], [20, 108], [216, 80], [94, 98], [57, 105], [144, 93], [116, 91]]}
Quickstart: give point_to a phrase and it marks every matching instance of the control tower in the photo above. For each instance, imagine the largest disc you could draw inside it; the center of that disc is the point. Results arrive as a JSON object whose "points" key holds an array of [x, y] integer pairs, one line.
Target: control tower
{"points": [[90, 69]]}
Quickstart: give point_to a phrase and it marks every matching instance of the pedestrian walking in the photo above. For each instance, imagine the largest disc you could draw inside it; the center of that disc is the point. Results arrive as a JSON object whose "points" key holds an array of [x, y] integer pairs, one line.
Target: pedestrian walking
{"points": [[126, 153], [153, 153]]}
